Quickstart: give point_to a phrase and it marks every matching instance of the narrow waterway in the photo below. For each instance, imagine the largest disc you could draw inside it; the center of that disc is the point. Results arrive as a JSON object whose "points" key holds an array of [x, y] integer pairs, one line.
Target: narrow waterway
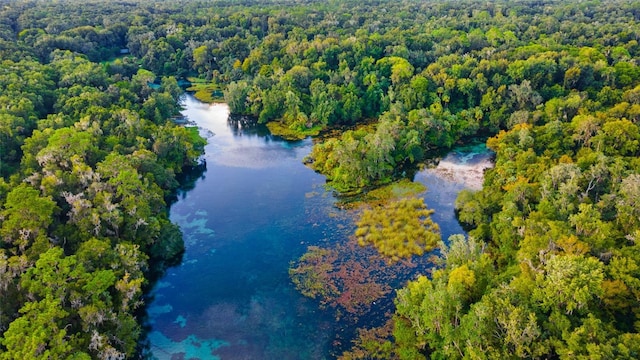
{"points": [[253, 212]]}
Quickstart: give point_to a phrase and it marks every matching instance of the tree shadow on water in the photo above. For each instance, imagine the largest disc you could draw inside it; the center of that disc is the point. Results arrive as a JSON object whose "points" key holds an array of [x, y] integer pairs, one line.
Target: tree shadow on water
{"points": [[246, 125]]}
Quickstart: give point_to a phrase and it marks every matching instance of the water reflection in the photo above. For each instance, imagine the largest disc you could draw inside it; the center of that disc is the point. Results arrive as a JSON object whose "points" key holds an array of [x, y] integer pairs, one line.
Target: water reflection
{"points": [[242, 125], [239, 141]]}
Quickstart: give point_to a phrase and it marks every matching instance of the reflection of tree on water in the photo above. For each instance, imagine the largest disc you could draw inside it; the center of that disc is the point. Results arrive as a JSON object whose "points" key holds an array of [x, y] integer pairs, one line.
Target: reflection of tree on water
{"points": [[187, 181], [242, 125]]}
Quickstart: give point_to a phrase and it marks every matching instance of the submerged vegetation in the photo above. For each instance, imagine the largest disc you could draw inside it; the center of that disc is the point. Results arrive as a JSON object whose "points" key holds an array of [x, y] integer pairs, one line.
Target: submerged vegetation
{"points": [[346, 278], [88, 157], [339, 280]]}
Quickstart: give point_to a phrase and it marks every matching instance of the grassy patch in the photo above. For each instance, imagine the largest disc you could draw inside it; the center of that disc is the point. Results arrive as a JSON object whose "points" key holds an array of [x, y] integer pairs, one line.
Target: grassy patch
{"points": [[401, 189], [280, 129], [206, 91], [399, 229], [397, 190]]}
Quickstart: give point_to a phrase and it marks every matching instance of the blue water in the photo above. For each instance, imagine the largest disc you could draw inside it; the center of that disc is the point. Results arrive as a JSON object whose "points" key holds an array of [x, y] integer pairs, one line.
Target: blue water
{"points": [[248, 217]]}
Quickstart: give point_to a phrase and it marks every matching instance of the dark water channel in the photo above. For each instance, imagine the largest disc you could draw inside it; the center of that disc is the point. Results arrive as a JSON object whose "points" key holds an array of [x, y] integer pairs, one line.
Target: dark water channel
{"points": [[253, 212]]}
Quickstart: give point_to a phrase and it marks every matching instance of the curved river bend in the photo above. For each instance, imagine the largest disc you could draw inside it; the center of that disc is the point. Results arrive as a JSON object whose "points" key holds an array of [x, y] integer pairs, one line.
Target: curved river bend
{"points": [[253, 212]]}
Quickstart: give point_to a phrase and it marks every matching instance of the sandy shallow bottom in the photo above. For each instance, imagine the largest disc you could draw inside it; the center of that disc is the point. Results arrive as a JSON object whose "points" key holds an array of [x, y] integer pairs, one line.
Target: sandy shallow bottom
{"points": [[471, 176]]}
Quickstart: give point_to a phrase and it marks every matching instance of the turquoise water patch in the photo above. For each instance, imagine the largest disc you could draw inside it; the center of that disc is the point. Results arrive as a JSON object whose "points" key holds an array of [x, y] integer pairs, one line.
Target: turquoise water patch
{"points": [[198, 226], [181, 321], [470, 154], [191, 348], [159, 309]]}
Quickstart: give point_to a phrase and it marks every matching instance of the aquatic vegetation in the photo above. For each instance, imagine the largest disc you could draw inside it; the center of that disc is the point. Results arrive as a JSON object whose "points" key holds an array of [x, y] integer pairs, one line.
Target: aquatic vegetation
{"points": [[399, 229], [358, 292], [381, 195], [345, 277], [204, 91], [397, 190], [312, 276], [372, 343], [294, 131]]}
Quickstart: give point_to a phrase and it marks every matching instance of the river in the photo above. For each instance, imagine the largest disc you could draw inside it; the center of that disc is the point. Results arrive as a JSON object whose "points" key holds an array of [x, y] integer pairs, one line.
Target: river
{"points": [[253, 212]]}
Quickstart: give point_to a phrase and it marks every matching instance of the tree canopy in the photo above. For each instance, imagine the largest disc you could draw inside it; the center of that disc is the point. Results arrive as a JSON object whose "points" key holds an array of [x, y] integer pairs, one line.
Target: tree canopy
{"points": [[89, 157]]}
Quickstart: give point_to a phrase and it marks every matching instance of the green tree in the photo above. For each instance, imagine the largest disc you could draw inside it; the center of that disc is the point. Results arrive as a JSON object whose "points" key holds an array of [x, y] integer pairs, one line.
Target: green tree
{"points": [[39, 333], [236, 96], [569, 283], [618, 137], [26, 219]]}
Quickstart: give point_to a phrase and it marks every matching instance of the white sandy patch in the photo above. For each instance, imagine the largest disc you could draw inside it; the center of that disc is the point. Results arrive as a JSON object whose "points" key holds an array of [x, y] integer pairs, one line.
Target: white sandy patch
{"points": [[471, 175]]}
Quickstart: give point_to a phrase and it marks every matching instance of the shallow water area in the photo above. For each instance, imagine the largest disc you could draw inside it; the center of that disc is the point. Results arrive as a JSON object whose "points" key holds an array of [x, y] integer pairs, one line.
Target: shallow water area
{"points": [[465, 165], [462, 168], [253, 211]]}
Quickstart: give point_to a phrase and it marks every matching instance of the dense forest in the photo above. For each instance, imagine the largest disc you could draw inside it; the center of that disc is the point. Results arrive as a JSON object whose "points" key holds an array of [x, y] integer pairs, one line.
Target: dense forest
{"points": [[89, 158]]}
